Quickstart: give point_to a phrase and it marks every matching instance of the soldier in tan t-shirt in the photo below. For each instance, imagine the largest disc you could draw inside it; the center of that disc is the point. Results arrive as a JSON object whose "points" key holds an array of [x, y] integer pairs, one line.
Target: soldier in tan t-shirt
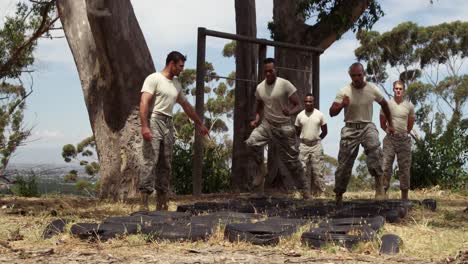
{"points": [[357, 100], [277, 101], [311, 128], [399, 143], [159, 93]]}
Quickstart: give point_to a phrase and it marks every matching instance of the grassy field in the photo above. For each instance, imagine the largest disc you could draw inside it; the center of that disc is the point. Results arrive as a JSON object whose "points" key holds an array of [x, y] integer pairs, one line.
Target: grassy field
{"points": [[428, 237]]}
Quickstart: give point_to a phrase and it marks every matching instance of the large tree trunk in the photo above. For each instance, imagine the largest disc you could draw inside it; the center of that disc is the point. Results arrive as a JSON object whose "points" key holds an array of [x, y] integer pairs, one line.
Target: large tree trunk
{"points": [[290, 27], [246, 60], [113, 60]]}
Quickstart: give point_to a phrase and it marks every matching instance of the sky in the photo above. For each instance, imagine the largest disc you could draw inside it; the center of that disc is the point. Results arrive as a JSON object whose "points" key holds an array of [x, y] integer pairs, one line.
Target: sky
{"points": [[56, 108]]}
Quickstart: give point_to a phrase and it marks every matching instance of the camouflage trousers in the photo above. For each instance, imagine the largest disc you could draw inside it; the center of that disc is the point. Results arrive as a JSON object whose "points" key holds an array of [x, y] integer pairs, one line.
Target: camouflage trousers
{"points": [[351, 138], [155, 171], [283, 136], [399, 146], [311, 157]]}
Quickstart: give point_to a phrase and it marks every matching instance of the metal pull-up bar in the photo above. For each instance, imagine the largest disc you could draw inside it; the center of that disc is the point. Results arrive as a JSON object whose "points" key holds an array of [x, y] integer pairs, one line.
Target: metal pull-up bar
{"points": [[200, 84]]}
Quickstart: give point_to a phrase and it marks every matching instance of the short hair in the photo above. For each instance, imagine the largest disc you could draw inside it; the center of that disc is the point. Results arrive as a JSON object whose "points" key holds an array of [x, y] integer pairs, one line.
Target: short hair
{"points": [[269, 60], [402, 83], [309, 94], [175, 56], [356, 64]]}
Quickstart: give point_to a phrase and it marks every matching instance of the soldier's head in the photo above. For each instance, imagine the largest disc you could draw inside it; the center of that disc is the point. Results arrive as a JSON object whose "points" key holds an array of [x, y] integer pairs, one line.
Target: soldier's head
{"points": [[175, 63], [269, 70], [398, 89], [309, 102], [356, 72]]}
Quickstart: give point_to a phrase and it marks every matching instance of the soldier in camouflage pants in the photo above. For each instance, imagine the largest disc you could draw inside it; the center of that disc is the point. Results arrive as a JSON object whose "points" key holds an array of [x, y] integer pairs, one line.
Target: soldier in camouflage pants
{"points": [[157, 156], [277, 101], [399, 143], [357, 100], [351, 137], [159, 93], [311, 157]]}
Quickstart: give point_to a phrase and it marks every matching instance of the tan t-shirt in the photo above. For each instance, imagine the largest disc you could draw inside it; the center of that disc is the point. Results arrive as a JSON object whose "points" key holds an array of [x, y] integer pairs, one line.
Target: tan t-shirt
{"points": [[310, 124], [166, 93], [275, 97], [360, 106], [400, 113]]}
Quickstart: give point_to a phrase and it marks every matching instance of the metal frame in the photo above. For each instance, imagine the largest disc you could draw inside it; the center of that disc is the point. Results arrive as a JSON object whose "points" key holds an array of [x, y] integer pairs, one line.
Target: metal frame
{"points": [[200, 84]]}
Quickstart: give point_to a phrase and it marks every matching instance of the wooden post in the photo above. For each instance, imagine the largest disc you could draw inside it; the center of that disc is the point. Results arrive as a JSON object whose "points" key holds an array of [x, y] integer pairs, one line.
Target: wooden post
{"points": [[197, 173], [262, 50], [316, 79]]}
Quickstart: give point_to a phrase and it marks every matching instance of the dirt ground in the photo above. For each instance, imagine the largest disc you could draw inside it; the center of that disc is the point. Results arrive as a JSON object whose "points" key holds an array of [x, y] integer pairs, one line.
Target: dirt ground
{"points": [[429, 237]]}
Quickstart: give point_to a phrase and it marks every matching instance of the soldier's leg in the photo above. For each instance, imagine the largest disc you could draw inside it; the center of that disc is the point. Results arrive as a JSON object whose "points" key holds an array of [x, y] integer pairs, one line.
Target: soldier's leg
{"points": [[305, 159], [148, 161], [285, 137], [388, 159], [371, 144], [259, 137], [349, 148], [163, 174], [317, 164], [404, 166]]}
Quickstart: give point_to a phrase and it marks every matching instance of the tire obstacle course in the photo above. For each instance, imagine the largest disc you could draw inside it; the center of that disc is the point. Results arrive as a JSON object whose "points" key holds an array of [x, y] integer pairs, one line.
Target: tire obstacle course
{"points": [[259, 221]]}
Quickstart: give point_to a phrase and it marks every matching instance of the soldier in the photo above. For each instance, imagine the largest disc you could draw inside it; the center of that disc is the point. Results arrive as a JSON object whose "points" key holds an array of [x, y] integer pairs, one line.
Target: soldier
{"points": [[356, 99], [398, 143], [159, 94], [311, 128], [277, 101]]}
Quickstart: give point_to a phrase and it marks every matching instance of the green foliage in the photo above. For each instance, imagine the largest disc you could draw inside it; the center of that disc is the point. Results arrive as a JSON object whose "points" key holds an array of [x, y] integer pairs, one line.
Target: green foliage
{"points": [[428, 60], [229, 49], [85, 185], [18, 40], [72, 176], [362, 180], [81, 153], [26, 186], [335, 14], [216, 171], [325, 10]]}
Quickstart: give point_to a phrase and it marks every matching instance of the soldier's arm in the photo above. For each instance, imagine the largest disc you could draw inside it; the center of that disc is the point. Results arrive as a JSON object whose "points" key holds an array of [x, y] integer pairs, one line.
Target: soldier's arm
{"points": [[410, 123], [188, 109], [383, 122], [383, 103], [296, 105], [298, 131], [145, 102], [324, 133]]}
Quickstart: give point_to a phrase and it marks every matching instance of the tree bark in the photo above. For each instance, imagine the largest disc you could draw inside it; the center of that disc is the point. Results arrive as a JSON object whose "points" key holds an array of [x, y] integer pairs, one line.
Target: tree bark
{"points": [[112, 60], [291, 27], [246, 55]]}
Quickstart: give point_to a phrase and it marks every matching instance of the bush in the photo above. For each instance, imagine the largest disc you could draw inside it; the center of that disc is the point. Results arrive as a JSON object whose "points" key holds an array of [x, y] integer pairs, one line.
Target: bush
{"points": [[216, 171], [26, 186]]}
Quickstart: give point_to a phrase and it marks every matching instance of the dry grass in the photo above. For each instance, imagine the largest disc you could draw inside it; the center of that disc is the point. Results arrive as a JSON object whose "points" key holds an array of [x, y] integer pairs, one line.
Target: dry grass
{"points": [[427, 235]]}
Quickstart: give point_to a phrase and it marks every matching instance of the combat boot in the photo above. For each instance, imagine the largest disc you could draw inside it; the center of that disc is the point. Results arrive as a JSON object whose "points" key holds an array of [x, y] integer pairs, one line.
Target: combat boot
{"points": [[404, 195], [144, 197], [162, 201]]}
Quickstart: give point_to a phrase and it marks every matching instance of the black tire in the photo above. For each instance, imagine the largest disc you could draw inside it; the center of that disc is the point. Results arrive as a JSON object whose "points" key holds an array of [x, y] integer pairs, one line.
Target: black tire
{"points": [[342, 235], [390, 244], [103, 232], [54, 228], [262, 233], [308, 211], [178, 232], [391, 215], [431, 204], [376, 222]]}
